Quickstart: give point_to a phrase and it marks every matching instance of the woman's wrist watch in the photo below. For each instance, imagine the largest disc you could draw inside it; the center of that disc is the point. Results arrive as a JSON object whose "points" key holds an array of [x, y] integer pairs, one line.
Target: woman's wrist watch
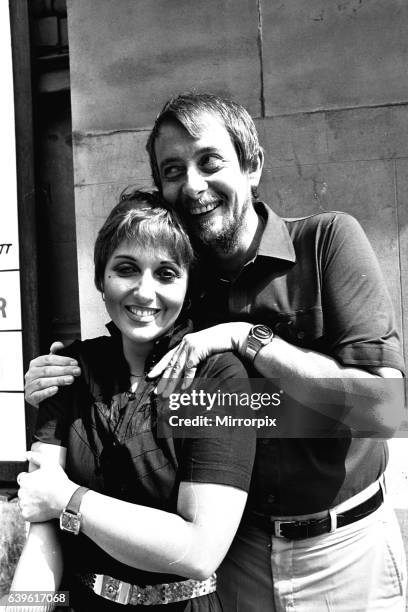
{"points": [[70, 517], [259, 336]]}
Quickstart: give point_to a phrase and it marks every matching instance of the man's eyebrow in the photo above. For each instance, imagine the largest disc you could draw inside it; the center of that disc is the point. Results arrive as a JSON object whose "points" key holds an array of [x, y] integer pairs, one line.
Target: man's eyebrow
{"points": [[175, 159], [170, 160]]}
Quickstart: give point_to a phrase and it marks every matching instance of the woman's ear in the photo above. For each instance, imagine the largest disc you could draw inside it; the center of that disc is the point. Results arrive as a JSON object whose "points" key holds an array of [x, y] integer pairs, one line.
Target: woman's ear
{"points": [[256, 170]]}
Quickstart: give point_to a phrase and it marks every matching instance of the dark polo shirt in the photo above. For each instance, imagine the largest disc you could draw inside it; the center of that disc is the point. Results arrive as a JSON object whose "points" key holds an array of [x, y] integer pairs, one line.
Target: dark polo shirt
{"points": [[316, 281]]}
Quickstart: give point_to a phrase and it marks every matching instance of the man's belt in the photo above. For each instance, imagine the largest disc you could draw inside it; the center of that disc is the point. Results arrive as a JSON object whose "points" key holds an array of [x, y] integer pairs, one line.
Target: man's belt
{"points": [[302, 529], [149, 595]]}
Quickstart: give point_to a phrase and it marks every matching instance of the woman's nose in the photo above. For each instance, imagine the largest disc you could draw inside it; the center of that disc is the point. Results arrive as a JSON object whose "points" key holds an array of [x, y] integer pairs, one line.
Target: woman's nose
{"points": [[195, 183], [144, 288]]}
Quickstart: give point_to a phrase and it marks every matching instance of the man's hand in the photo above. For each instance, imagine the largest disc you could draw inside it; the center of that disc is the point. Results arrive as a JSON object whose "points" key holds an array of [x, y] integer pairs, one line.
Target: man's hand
{"points": [[45, 492], [182, 361], [47, 373]]}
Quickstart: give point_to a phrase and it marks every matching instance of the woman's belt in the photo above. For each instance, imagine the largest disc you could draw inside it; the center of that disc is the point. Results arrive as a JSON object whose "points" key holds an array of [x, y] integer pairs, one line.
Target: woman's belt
{"points": [[150, 595]]}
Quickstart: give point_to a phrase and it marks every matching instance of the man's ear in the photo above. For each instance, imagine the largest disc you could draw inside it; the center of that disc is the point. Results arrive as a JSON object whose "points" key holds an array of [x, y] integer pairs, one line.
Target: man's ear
{"points": [[256, 170]]}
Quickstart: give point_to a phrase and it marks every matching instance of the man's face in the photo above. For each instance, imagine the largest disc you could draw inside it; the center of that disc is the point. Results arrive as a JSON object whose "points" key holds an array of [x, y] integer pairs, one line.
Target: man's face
{"points": [[202, 178]]}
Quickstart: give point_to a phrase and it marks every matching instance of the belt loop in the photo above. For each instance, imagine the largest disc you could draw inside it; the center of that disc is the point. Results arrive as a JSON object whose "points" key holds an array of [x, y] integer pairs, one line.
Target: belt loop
{"points": [[333, 520]]}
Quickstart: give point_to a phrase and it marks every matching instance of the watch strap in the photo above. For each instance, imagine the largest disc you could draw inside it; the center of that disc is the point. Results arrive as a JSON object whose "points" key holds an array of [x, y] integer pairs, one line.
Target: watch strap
{"points": [[255, 342], [75, 501]]}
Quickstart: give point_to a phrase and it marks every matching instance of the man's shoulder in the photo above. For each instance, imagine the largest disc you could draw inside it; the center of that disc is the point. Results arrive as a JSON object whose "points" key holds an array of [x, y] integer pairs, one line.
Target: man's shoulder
{"points": [[323, 218], [319, 226]]}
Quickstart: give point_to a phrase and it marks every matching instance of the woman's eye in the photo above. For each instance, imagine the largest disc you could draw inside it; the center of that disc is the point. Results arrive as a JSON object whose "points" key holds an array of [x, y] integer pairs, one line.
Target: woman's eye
{"points": [[167, 274], [125, 270]]}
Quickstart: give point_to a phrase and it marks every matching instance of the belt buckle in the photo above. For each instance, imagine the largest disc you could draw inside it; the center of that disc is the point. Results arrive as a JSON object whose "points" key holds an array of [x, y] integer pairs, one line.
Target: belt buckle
{"points": [[277, 527], [115, 590]]}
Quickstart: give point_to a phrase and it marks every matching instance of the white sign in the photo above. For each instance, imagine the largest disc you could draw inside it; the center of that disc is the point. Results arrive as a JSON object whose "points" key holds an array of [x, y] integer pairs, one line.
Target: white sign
{"points": [[12, 419]]}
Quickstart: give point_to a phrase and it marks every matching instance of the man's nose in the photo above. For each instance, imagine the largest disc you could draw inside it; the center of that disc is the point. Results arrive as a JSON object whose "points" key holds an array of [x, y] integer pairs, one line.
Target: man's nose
{"points": [[144, 289], [195, 183]]}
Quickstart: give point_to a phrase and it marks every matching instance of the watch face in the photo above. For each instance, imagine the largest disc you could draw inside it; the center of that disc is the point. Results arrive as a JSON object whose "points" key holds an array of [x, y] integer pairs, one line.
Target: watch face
{"points": [[262, 332], [70, 522]]}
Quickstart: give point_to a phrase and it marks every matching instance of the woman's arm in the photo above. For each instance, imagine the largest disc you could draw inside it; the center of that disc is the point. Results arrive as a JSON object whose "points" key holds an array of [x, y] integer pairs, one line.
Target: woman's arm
{"points": [[40, 565], [191, 543]]}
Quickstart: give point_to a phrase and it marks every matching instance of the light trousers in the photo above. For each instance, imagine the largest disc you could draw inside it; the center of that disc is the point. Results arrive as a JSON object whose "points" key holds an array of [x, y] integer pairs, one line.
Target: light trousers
{"points": [[358, 568]]}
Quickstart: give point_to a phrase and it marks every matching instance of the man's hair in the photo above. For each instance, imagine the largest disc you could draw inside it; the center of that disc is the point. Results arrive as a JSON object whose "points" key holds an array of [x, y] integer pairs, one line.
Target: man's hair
{"points": [[187, 108], [142, 216]]}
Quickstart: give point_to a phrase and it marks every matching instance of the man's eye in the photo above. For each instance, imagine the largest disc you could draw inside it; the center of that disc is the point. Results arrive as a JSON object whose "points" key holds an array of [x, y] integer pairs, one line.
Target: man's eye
{"points": [[172, 172], [211, 163]]}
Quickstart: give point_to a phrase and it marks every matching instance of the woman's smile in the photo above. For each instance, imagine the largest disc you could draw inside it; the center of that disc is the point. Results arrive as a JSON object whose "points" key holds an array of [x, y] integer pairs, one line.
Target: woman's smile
{"points": [[142, 314]]}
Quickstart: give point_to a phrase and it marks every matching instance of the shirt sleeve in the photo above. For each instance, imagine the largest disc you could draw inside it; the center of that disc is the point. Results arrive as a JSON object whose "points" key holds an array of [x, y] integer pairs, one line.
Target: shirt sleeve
{"points": [[224, 454], [358, 312]]}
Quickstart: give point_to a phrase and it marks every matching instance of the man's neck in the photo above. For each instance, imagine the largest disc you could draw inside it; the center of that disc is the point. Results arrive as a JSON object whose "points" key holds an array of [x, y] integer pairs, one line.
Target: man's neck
{"points": [[229, 265]]}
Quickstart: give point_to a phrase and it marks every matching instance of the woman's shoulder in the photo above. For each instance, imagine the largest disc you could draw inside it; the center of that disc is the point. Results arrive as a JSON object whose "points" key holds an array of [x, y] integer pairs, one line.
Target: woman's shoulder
{"points": [[221, 365], [88, 350]]}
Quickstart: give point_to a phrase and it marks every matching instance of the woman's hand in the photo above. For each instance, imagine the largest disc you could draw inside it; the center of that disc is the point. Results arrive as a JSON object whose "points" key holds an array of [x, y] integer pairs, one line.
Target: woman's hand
{"points": [[182, 361], [45, 492]]}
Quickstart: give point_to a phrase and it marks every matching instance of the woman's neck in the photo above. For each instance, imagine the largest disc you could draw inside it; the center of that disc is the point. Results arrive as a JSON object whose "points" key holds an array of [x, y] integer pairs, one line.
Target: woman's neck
{"points": [[136, 355]]}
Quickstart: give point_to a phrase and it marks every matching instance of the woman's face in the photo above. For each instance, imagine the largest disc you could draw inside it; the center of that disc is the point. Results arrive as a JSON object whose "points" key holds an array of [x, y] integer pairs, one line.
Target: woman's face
{"points": [[144, 291]]}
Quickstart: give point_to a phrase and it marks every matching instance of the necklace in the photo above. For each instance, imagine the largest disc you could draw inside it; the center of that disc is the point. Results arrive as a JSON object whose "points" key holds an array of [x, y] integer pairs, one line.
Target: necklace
{"points": [[136, 375]]}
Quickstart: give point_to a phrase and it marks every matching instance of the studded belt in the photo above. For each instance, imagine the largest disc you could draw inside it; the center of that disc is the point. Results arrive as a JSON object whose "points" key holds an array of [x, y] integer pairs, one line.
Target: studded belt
{"points": [[150, 595]]}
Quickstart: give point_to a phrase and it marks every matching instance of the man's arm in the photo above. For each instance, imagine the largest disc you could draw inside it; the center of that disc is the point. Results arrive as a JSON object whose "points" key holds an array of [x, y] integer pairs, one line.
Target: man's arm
{"points": [[373, 397], [48, 372]]}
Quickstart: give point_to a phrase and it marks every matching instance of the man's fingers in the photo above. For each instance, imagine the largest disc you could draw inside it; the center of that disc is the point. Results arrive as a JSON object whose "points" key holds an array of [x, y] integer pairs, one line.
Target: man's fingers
{"points": [[35, 397], [56, 346], [55, 375], [49, 360], [162, 364], [172, 374], [189, 375]]}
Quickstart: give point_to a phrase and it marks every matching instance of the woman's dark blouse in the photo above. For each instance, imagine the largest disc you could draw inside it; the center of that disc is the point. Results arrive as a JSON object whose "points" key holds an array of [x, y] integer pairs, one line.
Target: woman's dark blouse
{"points": [[113, 446]]}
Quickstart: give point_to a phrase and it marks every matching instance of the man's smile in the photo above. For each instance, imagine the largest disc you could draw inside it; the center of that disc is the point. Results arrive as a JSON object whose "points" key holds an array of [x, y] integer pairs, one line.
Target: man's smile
{"points": [[199, 208]]}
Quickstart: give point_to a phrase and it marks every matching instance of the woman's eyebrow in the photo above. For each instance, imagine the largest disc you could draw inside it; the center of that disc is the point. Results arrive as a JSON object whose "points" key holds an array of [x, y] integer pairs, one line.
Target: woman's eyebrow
{"points": [[124, 256]]}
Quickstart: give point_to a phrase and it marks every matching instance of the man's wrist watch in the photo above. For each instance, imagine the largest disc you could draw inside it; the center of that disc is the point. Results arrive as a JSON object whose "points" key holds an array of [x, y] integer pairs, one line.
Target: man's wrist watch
{"points": [[70, 517], [259, 336]]}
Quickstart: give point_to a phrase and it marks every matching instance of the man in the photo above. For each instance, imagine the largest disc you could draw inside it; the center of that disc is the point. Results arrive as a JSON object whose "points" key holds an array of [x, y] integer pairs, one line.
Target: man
{"points": [[317, 534]]}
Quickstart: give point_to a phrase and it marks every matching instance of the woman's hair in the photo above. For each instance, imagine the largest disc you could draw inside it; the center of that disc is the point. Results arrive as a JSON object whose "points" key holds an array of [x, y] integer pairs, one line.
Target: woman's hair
{"points": [[142, 216]]}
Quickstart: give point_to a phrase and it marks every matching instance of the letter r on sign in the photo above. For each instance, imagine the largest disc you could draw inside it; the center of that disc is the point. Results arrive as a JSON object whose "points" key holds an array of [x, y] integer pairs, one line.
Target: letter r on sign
{"points": [[3, 304]]}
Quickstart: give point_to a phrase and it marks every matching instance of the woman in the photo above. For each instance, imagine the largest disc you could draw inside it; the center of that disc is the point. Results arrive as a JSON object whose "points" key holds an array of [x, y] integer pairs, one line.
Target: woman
{"points": [[154, 515]]}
